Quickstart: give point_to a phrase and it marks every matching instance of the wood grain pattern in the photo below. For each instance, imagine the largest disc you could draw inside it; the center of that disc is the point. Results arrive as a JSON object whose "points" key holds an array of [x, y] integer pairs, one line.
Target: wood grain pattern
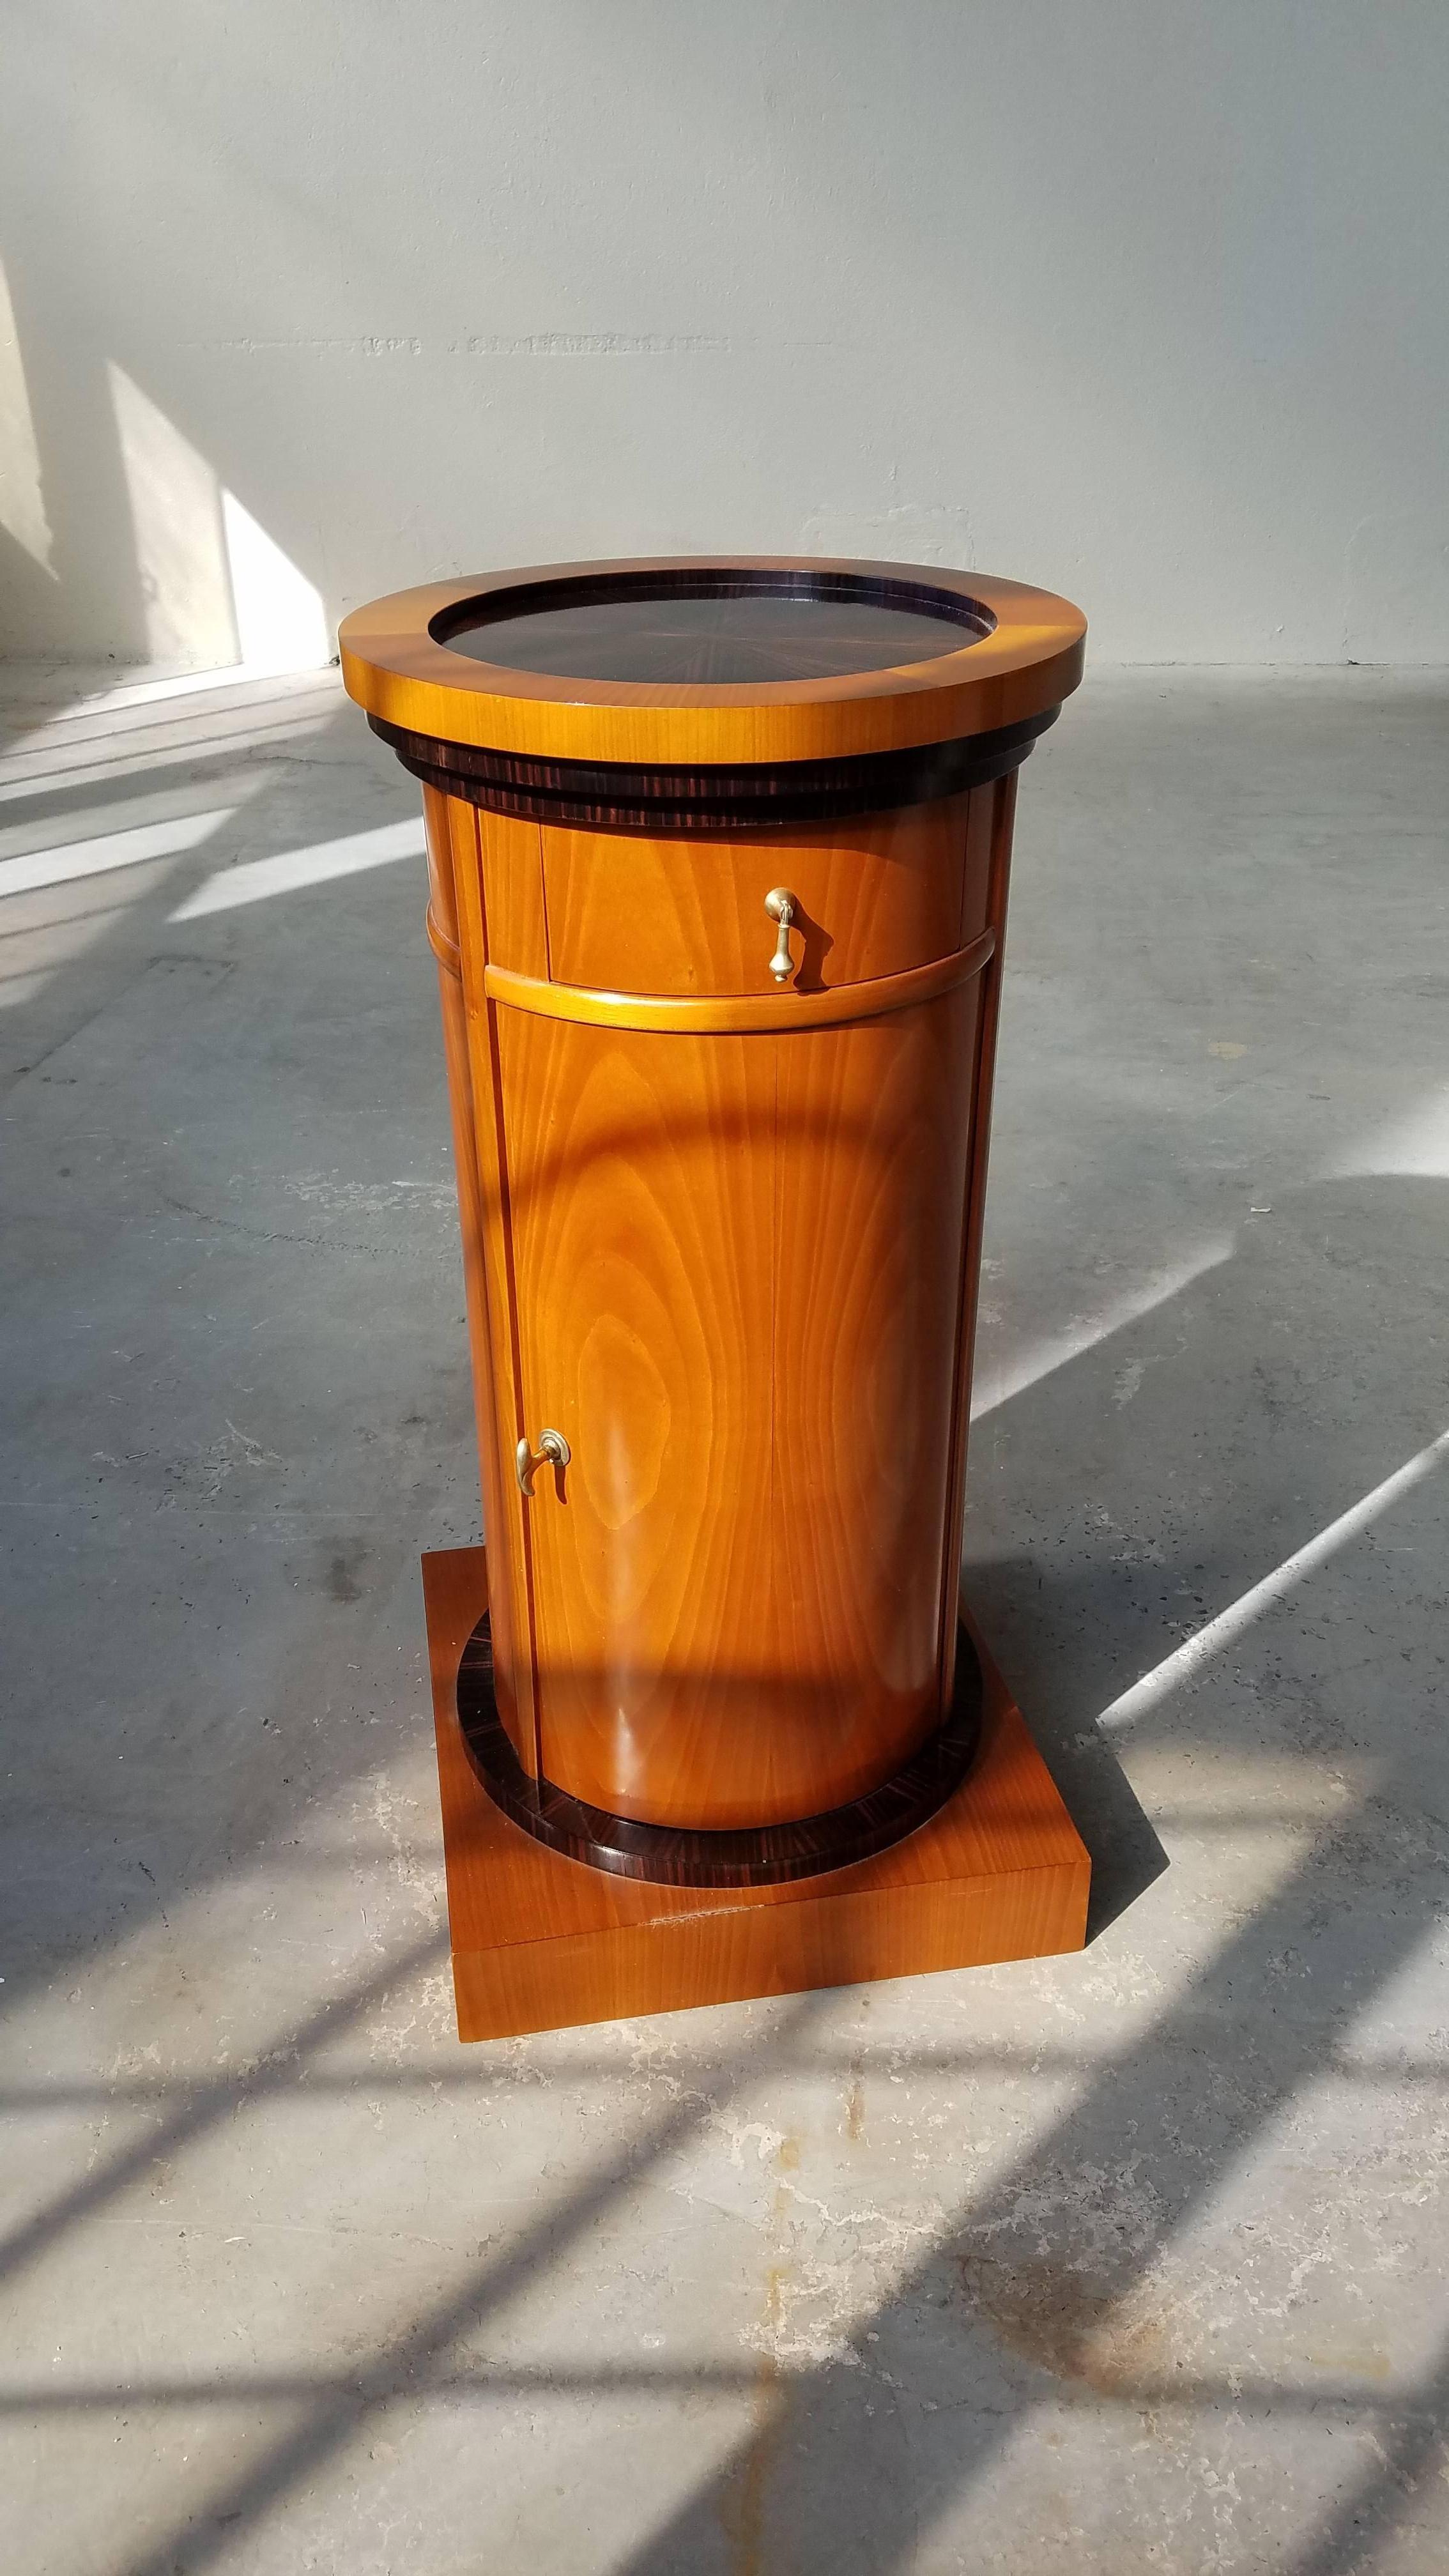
{"points": [[394, 667], [753, 1855], [737, 1270], [641, 1179], [506, 1524], [638, 915], [727, 1266], [783, 1012], [870, 1182], [440, 820], [990, 868], [512, 856], [695, 626], [722, 1235], [983, 809], [541, 1944]]}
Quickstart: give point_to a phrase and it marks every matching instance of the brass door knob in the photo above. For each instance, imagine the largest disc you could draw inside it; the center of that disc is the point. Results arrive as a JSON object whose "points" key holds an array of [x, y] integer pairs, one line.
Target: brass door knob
{"points": [[552, 1451], [780, 905]]}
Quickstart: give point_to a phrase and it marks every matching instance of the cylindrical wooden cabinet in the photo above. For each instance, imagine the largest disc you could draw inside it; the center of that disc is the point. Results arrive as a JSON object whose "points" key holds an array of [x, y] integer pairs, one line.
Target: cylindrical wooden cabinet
{"points": [[718, 855]]}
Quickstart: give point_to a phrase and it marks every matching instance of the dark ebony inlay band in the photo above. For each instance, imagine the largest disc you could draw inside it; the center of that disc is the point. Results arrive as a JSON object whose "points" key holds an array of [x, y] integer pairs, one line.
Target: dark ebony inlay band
{"points": [[622, 796], [765, 1856]]}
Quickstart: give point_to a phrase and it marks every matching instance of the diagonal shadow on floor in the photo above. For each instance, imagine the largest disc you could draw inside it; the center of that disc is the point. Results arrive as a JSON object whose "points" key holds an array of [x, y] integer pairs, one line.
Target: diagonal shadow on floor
{"points": [[1044, 2284]]}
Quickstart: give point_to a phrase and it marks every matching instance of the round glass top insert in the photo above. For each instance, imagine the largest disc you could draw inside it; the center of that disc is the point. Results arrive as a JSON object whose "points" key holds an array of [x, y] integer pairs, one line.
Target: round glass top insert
{"points": [[709, 628]]}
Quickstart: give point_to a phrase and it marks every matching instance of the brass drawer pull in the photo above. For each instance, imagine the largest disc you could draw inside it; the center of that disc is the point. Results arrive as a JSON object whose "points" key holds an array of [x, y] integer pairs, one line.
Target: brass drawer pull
{"points": [[552, 1451], [780, 905]]}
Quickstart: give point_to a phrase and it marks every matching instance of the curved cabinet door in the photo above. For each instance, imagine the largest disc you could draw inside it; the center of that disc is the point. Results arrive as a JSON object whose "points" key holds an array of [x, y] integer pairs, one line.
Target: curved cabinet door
{"points": [[738, 1266]]}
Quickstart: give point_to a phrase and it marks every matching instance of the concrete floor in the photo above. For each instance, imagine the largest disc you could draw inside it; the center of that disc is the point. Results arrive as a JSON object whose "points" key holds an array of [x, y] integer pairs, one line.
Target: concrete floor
{"points": [[1130, 2262]]}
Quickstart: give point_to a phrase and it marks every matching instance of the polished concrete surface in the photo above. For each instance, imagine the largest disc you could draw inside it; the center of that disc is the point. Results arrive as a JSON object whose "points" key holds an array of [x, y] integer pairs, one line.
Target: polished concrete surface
{"points": [[1131, 2262]]}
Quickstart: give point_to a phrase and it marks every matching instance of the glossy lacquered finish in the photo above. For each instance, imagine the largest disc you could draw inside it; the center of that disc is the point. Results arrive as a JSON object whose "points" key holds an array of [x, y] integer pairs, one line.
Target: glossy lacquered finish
{"points": [[727, 1264], [872, 895], [720, 1105], [749, 1856], [398, 666], [539, 1941], [750, 797], [688, 628]]}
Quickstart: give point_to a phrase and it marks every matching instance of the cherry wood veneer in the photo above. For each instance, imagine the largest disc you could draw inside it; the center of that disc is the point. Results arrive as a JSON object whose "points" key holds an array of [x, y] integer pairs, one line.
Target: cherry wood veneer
{"points": [[398, 667], [721, 1197], [542, 1943], [728, 1265]]}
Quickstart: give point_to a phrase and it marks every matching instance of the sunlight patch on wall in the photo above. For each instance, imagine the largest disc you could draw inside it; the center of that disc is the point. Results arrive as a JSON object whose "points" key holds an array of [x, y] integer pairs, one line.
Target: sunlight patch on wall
{"points": [[280, 621], [22, 500], [180, 541], [219, 593]]}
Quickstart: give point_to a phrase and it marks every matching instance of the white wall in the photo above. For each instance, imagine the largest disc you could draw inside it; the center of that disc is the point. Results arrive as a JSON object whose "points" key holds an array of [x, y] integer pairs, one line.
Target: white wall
{"points": [[1143, 299]]}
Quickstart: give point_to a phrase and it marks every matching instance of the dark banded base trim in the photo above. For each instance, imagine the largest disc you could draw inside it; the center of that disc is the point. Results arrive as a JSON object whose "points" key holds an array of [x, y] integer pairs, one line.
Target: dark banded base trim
{"points": [[621, 797], [673, 1857]]}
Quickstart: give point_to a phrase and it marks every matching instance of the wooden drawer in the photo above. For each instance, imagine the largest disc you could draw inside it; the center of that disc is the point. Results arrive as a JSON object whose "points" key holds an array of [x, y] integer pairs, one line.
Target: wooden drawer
{"points": [[873, 895]]}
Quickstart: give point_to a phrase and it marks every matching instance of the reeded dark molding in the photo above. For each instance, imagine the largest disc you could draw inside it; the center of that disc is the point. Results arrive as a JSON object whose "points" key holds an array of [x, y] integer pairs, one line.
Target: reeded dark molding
{"points": [[623, 796], [765, 1856]]}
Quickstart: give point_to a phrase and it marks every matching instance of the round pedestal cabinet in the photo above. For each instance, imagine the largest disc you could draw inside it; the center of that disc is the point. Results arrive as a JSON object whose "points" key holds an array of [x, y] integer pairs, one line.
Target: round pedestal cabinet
{"points": [[719, 853]]}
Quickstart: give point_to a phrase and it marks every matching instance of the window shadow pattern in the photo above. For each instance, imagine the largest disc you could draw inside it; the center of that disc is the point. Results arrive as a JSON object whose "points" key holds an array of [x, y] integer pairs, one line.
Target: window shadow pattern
{"points": [[1268, 1395]]}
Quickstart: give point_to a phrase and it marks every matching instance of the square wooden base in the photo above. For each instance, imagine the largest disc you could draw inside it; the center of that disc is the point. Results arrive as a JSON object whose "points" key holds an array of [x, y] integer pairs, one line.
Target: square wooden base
{"points": [[542, 1943]]}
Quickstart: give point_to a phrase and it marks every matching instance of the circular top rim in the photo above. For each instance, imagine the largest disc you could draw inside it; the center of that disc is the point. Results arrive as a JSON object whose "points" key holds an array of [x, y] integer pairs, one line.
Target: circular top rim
{"points": [[396, 667]]}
